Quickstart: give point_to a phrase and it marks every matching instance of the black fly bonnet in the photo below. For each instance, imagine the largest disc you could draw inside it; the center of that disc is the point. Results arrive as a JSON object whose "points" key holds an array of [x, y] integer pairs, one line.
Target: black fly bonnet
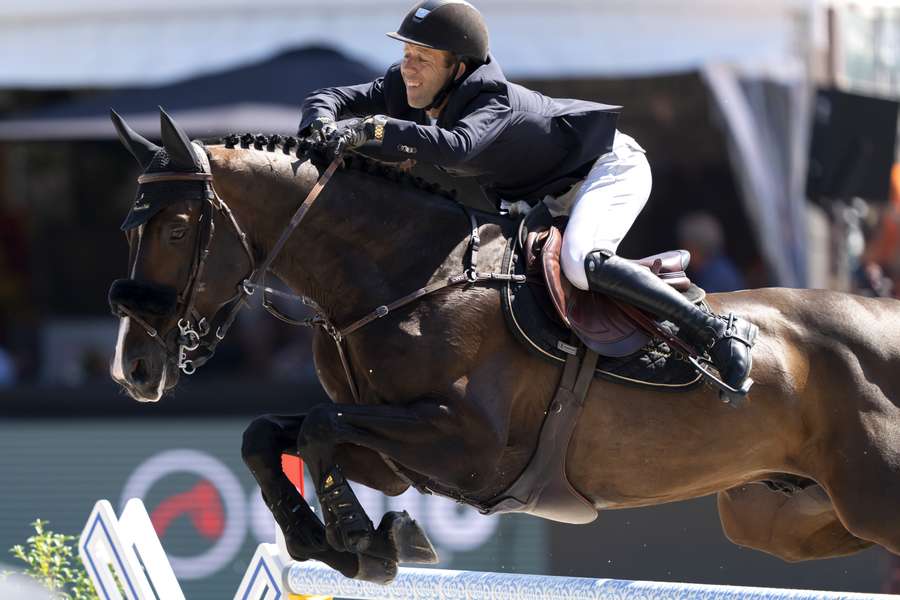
{"points": [[177, 172]]}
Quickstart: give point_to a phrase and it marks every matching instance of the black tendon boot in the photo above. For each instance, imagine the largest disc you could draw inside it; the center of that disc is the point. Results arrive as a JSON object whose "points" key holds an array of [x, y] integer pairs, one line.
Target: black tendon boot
{"points": [[304, 533], [728, 341]]}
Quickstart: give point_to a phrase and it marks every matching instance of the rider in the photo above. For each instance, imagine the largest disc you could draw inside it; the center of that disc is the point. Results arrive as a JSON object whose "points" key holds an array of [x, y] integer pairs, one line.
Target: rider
{"points": [[448, 103]]}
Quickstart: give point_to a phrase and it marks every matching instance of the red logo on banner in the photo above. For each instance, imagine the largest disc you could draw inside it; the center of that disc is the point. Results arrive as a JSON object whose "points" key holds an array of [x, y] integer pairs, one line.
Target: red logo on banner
{"points": [[201, 504]]}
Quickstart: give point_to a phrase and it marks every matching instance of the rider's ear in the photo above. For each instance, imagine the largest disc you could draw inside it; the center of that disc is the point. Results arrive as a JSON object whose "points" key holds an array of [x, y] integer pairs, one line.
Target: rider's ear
{"points": [[177, 144], [461, 70], [142, 149]]}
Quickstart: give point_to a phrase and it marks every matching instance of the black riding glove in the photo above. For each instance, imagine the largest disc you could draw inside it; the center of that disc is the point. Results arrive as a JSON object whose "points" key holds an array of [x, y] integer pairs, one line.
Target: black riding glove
{"points": [[325, 127], [357, 133]]}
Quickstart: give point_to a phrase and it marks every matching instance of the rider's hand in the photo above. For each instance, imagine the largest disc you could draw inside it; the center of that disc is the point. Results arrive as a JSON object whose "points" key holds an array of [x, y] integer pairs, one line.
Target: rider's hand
{"points": [[325, 127], [357, 133]]}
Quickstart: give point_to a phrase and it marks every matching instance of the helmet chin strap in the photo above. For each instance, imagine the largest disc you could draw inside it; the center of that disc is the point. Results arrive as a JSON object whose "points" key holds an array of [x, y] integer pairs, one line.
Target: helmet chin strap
{"points": [[448, 87]]}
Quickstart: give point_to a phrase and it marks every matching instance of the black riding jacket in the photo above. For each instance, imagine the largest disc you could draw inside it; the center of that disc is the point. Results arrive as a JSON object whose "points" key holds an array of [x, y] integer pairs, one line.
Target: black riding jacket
{"points": [[517, 143]]}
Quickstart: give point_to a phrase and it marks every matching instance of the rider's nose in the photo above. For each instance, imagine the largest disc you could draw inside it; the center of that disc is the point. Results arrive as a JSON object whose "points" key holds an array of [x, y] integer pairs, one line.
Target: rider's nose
{"points": [[139, 372]]}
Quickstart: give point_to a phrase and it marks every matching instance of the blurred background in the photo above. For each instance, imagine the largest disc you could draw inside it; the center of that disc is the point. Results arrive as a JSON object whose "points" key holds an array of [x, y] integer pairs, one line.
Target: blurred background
{"points": [[770, 125]]}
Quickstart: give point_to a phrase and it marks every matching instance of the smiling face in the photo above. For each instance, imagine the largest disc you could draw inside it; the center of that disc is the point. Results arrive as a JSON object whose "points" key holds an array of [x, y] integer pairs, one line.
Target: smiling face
{"points": [[424, 71]]}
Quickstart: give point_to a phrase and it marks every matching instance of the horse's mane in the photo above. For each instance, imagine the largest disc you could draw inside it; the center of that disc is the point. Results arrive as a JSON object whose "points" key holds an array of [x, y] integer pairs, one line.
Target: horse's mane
{"points": [[317, 152]]}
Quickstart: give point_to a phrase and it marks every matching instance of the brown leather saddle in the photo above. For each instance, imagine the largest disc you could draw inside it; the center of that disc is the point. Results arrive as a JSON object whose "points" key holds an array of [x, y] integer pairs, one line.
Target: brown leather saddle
{"points": [[605, 325]]}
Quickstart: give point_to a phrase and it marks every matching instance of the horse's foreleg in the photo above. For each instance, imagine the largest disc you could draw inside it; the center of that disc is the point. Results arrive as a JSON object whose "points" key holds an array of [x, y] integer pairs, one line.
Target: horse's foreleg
{"points": [[430, 436], [803, 526], [265, 440]]}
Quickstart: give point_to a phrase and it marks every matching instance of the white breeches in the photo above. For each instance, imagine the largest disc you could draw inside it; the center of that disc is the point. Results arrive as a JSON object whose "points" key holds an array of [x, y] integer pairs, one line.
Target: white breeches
{"points": [[604, 207]]}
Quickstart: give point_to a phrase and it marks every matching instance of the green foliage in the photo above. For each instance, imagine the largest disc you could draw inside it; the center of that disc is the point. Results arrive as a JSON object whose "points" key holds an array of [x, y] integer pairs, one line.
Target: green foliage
{"points": [[53, 561]]}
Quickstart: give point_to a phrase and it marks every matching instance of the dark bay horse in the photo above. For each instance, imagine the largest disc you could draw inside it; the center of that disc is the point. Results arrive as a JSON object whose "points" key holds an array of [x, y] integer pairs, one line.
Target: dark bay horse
{"points": [[446, 392]]}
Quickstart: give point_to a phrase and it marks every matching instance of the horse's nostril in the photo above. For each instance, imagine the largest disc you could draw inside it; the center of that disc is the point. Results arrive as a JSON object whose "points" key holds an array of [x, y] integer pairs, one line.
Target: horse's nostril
{"points": [[139, 371]]}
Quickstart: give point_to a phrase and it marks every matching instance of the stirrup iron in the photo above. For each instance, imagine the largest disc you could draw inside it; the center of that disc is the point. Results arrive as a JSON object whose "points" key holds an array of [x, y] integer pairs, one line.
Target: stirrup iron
{"points": [[728, 394]]}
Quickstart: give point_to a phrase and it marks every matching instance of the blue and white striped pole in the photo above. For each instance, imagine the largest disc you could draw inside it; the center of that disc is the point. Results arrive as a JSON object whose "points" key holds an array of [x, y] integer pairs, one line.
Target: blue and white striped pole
{"points": [[312, 578]]}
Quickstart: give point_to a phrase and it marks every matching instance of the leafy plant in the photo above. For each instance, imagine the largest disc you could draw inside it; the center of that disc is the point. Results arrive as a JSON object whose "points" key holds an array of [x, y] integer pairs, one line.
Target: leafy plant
{"points": [[52, 560]]}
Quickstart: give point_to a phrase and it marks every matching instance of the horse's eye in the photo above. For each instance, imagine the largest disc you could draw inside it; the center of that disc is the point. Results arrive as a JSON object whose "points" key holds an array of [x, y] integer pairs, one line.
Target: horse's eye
{"points": [[178, 234]]}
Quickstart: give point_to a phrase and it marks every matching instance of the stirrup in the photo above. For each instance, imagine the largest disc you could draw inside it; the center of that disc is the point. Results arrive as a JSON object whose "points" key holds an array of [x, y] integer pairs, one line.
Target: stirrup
{"points": [[727, 394]]}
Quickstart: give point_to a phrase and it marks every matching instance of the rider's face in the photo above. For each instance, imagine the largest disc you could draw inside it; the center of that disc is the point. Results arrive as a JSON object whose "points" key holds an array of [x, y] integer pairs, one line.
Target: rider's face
{"points": [[424, 72]]}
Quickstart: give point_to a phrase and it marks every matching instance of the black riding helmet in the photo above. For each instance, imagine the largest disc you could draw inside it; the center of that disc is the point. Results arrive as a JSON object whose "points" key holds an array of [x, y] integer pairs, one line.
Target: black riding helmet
{"points": [[454, 26]]}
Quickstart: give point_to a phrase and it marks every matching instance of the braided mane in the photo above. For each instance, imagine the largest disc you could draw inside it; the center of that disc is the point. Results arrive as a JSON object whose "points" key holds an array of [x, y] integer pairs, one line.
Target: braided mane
{"points": [[317, 152]]}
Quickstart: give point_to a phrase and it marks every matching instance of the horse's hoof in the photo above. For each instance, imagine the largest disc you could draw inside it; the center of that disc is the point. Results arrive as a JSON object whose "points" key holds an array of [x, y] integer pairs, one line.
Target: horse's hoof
{"points": [[376, 570], [410, 541]]}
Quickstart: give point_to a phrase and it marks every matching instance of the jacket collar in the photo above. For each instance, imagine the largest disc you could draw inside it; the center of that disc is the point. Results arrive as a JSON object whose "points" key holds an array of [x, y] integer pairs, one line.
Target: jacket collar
{"points": [[488, 77]]}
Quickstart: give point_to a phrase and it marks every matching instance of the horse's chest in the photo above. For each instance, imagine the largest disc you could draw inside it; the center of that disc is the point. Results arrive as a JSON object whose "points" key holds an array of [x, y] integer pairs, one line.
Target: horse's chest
{"points": [[390, 360]]}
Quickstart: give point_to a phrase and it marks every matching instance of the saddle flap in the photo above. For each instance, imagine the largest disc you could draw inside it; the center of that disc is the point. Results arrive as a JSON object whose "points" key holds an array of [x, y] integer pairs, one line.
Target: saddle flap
{"points": [[602, 325], [599, 323], [558, 286], [534, 246]]}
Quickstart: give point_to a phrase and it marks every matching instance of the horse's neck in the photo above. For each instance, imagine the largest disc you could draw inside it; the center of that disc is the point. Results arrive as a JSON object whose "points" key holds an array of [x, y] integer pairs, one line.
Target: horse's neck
{"points": [[365, 242]]}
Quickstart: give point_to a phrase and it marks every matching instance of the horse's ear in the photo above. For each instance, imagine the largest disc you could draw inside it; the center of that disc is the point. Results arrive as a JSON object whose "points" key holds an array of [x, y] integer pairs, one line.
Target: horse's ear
{"points": [[142, 149], [177, 144]]}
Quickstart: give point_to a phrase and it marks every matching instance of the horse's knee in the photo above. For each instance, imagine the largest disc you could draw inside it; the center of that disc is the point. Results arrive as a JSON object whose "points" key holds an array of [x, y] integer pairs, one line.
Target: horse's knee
{"points": [[259, 441], [749, 516], [794, 528]]}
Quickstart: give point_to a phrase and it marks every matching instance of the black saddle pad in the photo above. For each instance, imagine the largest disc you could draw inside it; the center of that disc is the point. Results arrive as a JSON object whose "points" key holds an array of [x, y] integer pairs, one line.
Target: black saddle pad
{"points": [[653, 366]]}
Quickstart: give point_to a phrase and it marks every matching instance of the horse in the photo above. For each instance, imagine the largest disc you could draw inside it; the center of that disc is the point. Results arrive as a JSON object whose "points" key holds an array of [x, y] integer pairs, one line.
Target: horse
{"points": [[440, 391]]}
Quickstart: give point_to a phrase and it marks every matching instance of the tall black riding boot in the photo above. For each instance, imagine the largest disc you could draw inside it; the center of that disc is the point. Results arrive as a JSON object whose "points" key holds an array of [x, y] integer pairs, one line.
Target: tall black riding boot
{"points": [[727, 342]]}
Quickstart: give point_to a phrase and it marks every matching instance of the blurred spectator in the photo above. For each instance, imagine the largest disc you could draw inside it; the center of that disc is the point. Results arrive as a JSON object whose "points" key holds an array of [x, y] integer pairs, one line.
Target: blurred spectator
{"points": [[871, 280], [881, 260], [701, 234]]}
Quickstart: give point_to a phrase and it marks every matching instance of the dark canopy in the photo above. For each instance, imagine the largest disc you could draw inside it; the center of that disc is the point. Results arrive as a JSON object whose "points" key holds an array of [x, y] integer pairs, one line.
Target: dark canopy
{"points": [[264, 96]]}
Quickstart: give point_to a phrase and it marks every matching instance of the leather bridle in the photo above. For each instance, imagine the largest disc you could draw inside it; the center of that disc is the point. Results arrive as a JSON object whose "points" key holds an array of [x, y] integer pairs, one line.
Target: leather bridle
{"points": [[194, 329]]}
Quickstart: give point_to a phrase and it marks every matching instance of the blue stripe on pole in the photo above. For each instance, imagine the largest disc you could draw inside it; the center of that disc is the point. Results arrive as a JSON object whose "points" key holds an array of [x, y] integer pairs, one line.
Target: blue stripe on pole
{"points": [[437, 584]]}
